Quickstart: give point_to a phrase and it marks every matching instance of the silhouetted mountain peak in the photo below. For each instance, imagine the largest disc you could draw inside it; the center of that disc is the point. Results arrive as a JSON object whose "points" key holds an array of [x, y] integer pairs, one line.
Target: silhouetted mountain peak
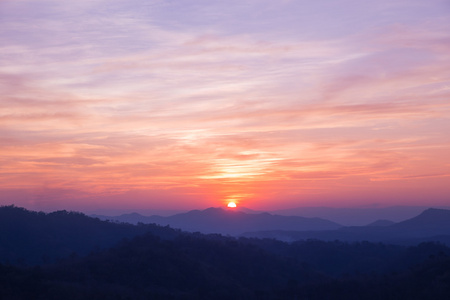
{"points": [[430, 222], [133, 215], [221, 212], [233, 221], [214, 210], [431, 216], [240, 209], [435, 212], [211, 211]]}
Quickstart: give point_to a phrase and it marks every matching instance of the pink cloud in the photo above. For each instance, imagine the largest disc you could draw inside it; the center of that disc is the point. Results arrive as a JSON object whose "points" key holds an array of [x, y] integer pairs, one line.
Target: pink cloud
{"points": [[300, 110]]}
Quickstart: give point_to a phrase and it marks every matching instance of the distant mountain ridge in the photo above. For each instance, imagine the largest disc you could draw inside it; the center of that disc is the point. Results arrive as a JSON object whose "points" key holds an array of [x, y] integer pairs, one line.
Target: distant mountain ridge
{"points": [[229, 221], [357, 216], [38, 237], [431, 225], [432, 217]]}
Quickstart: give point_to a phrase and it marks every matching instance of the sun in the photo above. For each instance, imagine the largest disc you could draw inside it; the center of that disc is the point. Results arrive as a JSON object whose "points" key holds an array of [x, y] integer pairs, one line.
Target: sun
{"points": [[231, 204]]}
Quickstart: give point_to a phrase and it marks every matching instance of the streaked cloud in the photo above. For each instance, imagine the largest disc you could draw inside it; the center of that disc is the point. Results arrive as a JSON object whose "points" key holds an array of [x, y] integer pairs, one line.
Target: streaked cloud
{"points": [[199, 102]]}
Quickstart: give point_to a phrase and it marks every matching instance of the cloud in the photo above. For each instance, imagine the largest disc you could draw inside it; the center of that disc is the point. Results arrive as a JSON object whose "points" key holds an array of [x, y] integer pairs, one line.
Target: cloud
{"points": [[221, 100], [411, 177]]}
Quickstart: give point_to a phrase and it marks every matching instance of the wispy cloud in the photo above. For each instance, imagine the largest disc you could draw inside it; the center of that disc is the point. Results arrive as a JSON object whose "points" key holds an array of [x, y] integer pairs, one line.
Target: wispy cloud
{"points": [[200, 101]]}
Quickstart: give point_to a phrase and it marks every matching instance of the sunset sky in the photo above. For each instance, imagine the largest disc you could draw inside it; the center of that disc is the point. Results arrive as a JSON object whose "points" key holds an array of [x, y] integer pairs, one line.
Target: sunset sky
{"points": [[145, 104]]}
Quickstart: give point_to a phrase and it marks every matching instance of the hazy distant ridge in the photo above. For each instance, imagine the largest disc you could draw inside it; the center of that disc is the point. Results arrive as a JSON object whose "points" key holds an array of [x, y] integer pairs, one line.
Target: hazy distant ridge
{"points": [[227, 221], [357, 216], [431, 225]]}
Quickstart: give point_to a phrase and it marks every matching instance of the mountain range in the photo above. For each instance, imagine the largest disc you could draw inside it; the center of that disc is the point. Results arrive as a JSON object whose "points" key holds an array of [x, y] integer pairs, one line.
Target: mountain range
{"points": [[431, 225], [68, 255], [37, 237], [228, 221], [357, 216]]}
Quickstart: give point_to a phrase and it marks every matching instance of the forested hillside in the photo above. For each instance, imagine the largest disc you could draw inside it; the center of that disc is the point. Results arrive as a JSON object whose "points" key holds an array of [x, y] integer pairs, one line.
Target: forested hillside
{"points": [[155, 262], [28, 237]]}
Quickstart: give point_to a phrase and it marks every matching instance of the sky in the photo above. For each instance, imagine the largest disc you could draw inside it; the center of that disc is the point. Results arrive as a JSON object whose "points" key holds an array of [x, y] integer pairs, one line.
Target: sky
{"points": [[152, 104]]}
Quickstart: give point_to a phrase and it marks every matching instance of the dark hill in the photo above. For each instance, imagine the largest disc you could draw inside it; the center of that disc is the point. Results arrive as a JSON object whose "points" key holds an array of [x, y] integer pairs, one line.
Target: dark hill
{"points": [[431, 221], [36, 237]]}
